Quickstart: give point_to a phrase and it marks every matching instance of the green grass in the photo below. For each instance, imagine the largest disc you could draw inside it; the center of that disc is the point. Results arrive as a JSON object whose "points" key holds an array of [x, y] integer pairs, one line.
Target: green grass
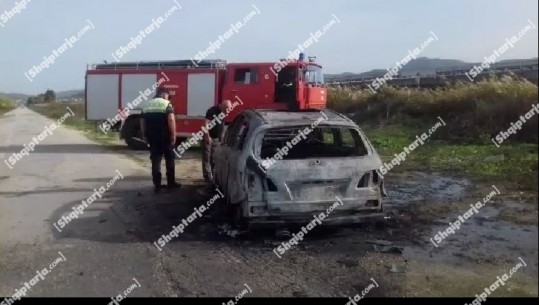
{"points": [[483, 161], [6, 106], [57, 110]]}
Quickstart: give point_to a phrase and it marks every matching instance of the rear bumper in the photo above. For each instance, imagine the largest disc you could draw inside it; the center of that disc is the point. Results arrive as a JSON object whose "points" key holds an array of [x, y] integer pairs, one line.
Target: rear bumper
{"points": [[336, 220]]}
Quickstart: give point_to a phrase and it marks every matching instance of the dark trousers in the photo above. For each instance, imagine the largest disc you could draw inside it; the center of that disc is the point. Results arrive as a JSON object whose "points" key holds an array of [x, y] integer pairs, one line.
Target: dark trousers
{"points": [[207, 160], [157, 152]]}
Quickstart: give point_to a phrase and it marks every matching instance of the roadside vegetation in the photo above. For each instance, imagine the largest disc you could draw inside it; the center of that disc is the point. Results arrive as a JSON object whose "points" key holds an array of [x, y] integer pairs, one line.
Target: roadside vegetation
{"points": [[6, 105], [473, 113], [55, 110]]}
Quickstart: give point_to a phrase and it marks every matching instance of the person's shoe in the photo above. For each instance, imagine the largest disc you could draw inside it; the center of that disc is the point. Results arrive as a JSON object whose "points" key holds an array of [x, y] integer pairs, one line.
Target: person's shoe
{"points": [[206, 190], [174, 185], [157, 189]]}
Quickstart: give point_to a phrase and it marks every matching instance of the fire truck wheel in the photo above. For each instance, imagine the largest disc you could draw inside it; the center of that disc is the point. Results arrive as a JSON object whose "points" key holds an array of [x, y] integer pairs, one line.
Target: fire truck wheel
{"points": [[133, 135]]}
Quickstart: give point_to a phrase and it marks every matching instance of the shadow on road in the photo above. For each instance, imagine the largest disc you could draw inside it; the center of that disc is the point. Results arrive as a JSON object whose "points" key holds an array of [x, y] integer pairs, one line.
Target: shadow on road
{"points": [[65, 149], [128, 214]]}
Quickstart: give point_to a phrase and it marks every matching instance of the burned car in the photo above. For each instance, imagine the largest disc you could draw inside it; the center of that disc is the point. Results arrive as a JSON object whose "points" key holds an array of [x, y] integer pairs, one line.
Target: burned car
{"points": [[282, 167]]}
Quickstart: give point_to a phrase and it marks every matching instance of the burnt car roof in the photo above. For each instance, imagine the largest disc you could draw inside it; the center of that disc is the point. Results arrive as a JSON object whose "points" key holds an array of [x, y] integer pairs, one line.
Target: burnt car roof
{"points": [[288, 117]]}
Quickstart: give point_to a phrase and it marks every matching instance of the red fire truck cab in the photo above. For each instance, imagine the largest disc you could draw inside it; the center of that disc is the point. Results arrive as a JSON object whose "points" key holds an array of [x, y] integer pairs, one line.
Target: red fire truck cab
{"points": [[116, 92]]}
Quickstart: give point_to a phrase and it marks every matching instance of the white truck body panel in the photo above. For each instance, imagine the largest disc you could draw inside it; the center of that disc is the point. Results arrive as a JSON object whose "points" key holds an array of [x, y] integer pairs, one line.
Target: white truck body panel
{"points": [[200, 93], [102, 92], [134, 85]]}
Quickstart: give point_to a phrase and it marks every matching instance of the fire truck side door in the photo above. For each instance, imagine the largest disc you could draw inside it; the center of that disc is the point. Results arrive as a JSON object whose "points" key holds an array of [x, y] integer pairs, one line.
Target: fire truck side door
{"points": [[246, 83]]}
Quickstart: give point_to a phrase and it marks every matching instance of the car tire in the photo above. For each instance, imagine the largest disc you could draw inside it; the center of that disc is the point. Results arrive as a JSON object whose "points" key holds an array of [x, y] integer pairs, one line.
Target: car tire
{"points": [[132, 131]]}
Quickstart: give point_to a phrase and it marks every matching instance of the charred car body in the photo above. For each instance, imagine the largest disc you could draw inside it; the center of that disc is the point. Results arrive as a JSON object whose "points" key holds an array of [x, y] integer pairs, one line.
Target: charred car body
{"points": [[281, 167]]}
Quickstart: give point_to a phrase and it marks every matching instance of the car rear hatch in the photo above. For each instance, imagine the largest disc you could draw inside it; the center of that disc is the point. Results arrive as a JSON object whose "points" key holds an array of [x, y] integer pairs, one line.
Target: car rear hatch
{"points": [[329, 164]]}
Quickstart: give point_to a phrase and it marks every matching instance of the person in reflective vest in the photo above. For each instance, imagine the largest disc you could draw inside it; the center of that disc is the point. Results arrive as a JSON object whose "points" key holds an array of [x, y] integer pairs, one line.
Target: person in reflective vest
{"points": [[158, 126]]}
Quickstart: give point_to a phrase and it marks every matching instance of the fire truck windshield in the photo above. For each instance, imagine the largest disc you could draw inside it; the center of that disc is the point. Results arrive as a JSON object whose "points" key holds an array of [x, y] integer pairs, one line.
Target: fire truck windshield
{"points": [[313, 75]]}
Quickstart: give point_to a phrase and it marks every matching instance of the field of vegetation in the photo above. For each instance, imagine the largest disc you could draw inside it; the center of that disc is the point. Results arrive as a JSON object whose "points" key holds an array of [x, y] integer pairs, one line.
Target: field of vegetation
{"points": [[473, 113], [5, 106]]}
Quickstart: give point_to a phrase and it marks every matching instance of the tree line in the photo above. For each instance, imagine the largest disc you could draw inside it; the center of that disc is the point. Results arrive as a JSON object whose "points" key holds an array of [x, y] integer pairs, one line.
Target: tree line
{"points": [[48, 97]]}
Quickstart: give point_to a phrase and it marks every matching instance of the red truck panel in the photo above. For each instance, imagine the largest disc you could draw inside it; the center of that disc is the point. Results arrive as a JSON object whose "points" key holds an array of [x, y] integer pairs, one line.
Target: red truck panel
{"points": [[259, 92]]}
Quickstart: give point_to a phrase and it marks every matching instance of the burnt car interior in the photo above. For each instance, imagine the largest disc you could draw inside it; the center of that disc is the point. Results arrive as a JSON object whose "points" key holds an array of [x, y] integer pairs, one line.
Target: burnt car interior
{"points": [[322, 142]]}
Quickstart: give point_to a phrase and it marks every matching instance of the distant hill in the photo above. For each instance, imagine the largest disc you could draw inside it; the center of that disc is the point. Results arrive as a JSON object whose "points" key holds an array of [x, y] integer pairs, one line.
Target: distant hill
{"points": [[14, 96], [422, 65], [426, 66], [61, 96], [69, 94]]}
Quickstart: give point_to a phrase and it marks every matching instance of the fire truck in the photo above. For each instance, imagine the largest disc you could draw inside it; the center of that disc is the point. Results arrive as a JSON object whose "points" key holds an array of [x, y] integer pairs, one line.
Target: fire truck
{"points": [[116, 92]]}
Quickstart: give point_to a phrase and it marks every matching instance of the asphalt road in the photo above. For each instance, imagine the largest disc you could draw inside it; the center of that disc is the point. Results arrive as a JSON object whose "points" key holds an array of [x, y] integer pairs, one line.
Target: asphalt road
{"points": [[110, 246]]}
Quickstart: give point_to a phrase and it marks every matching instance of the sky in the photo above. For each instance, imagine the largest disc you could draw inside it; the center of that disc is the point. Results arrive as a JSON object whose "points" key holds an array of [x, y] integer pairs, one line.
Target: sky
{"points": [[364, 35]]}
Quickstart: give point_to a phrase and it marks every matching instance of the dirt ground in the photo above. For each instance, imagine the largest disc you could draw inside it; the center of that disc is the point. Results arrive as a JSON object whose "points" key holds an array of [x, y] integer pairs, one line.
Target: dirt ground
{"points": [[341, 261]]}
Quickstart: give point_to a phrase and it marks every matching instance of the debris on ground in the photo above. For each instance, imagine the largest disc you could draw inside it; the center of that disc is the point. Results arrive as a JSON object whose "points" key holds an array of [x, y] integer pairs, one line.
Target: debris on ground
{"points": [[380, 242], [348, 262], [388, 249], [397, 268], [228, 230]]}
